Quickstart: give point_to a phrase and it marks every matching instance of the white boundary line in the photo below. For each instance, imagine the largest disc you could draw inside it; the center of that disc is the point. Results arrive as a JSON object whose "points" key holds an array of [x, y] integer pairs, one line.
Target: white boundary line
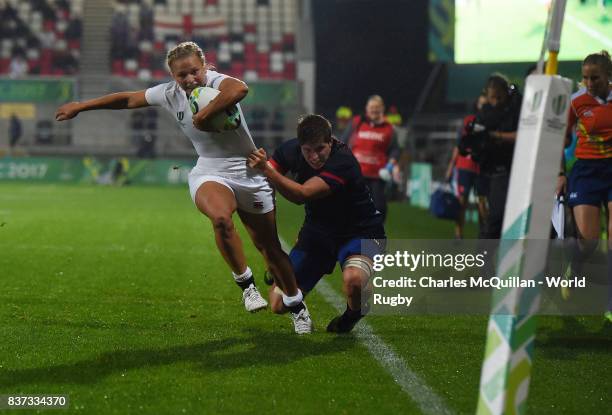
{"points": [[425, 398]]}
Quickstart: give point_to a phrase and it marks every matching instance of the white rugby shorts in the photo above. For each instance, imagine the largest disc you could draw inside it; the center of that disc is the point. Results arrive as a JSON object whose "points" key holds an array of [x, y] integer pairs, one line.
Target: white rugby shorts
{"points": [[250, 188]]}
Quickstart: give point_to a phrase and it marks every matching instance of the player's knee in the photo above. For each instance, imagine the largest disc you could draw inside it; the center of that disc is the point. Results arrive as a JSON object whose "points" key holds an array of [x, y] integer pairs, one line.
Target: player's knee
{"points": [[222, 224]]}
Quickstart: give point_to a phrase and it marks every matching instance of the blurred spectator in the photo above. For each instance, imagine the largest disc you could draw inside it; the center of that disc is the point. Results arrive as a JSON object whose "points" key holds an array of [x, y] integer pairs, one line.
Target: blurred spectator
{"points": [[44, 132], [15, 130], [47, 39], [393, 116], [343, 119], [48, 13], [131, 45], [7, 14], [119, 169], [18, 67], [146, 22], [119, 33], [75, 28], [33, 42], [63, 5]]}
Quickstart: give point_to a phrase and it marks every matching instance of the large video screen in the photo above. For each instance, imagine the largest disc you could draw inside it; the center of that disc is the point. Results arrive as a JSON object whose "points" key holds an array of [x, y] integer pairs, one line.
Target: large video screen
{"points": [[513, 30]]}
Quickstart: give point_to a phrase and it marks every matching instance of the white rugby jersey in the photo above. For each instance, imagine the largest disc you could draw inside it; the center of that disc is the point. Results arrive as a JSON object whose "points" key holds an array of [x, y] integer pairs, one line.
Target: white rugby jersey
{"points": [[226, 144]]}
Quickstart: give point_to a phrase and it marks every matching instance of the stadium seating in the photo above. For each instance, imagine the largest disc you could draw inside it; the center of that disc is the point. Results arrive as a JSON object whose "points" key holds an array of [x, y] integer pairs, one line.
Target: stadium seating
{"points": [[40, 37], [250, 39]]}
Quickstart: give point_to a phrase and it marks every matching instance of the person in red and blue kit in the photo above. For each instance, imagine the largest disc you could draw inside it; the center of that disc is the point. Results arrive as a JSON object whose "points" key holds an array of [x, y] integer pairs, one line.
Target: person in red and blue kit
{"points": [[464, 174], [589, 187]]}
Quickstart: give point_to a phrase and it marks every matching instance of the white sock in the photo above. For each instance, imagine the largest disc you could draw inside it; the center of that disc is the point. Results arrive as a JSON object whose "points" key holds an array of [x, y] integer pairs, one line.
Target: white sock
{"points": [[293, 301], [244, 276]]}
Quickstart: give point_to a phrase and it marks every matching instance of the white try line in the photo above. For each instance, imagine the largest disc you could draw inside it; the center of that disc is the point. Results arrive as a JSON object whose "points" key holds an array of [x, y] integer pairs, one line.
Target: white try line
{"points": [[416, 388], [588, 30], [147, 250]]}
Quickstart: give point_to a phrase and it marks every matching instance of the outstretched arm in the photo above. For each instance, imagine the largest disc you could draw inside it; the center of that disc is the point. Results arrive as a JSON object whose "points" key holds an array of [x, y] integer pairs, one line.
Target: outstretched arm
{"points": [[313, 188], [116, 101], [504, 136], [231, 91]]}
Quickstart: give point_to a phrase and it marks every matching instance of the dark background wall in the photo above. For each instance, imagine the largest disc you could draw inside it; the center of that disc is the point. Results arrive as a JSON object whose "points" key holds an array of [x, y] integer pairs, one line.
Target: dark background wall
{"points": [[366, 47]]}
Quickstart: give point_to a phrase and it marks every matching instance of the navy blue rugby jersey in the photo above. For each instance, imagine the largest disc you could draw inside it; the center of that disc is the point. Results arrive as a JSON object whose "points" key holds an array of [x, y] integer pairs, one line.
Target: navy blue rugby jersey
{"points": [[349, 210]]}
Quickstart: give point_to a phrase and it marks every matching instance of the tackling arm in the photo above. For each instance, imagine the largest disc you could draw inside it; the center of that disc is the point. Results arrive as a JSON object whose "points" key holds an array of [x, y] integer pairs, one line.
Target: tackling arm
{"points": [[504, 136], [313, 188]]}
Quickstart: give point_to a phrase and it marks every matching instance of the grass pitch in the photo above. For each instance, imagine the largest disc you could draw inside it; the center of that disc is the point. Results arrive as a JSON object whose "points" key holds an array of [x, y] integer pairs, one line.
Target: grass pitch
{"points": [[118, 298]]}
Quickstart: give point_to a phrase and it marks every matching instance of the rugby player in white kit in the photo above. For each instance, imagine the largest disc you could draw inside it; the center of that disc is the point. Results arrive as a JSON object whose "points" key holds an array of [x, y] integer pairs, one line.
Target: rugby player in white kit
{"points": [[220, 183]]}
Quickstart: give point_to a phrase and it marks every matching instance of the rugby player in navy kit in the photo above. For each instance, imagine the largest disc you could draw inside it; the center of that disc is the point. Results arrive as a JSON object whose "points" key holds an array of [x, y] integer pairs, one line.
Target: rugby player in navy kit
{"points": [[341, 225]]}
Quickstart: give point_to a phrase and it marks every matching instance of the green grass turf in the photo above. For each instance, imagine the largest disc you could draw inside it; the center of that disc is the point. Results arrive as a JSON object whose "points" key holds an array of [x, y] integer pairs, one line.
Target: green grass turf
{"points": [[118, 298], [512, 31]]}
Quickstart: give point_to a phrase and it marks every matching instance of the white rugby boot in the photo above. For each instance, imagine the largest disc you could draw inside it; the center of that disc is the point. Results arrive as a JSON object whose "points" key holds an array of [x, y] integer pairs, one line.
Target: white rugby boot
{"points": [[302, 323], [253, 301]]}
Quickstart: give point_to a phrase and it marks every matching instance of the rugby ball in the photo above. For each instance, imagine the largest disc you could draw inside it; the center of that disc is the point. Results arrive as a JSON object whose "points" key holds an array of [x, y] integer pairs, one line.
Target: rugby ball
{"points": [[224, 121]]}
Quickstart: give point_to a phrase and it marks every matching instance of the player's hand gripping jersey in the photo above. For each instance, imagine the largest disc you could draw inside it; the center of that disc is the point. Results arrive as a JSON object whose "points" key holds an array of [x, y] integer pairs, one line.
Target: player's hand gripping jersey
{"points": [[349, 210]]}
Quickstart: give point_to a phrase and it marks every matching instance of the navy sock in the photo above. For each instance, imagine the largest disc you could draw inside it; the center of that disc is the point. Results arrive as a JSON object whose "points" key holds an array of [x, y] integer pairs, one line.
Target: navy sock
{"points": [[297, 308], [352, 314], [246, 283]]}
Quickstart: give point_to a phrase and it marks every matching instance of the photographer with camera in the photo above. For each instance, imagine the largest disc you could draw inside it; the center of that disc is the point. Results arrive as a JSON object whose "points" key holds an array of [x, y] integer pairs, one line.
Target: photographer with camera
{"points": [[490, 142]]}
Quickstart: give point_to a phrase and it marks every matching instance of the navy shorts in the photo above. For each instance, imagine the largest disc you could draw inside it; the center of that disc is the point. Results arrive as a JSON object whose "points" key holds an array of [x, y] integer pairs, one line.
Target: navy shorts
{"points": [[465, 180], [315, 255], [590, 182]]}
